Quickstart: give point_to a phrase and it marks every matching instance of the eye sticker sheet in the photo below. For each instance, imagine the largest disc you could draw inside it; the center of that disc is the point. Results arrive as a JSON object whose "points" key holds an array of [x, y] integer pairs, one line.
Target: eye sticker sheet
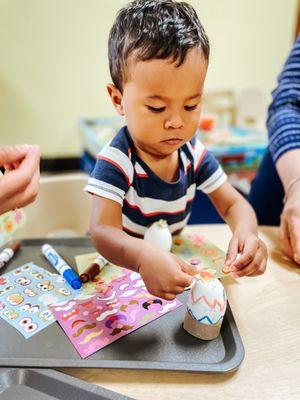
{"points": [[196, 250], [94, 323], [26, 293]]}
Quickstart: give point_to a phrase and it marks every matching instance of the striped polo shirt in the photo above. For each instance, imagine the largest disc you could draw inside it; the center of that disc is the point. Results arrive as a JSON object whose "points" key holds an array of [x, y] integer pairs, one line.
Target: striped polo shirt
{"points": [[284, 112], [120, 175]]}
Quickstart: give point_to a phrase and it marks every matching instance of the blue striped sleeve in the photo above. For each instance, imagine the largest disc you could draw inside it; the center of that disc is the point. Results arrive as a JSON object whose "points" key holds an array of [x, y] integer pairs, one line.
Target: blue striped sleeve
{"points": [[107, 180], [209, 174], [284, 112]]}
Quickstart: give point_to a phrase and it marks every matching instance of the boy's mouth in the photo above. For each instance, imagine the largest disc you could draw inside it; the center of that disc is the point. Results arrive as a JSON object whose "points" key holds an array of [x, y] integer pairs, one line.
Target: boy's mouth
{"points": [[172, 141]]}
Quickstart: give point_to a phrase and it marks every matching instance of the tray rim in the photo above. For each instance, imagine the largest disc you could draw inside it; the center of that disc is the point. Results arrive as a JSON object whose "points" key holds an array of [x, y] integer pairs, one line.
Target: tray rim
{"points": [[70, 380], [224, 366]]}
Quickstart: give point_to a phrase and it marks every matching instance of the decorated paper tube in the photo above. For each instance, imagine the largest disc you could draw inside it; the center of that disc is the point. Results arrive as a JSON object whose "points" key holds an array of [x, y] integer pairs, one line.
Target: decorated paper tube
{"points": [[206, 308]]}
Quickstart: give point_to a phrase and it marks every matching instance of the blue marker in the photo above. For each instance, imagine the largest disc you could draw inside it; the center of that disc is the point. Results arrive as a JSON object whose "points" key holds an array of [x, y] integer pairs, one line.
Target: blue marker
{"points": [[61, 266]]}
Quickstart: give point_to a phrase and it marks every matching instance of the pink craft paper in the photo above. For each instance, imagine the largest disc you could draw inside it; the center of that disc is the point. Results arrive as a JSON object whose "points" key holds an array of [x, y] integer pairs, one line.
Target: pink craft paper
{"points": [[97, 321]]}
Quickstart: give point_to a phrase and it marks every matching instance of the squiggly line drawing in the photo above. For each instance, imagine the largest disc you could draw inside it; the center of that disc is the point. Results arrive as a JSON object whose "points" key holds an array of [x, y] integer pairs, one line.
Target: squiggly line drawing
{"points": [[91, 336], [205, 317], [211, 305], [106, 314], [83, 328]]}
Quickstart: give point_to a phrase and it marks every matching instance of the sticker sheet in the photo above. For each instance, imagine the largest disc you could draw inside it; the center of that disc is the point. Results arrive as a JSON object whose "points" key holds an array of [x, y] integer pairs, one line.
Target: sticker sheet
{"points": [[26, 293], [9, 223], [96, 322], [196, 250]]}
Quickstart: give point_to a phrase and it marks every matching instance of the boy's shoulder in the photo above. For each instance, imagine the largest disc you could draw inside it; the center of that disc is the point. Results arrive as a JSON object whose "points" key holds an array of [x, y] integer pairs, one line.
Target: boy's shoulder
{"points": [[193, 149], [121, 141]]}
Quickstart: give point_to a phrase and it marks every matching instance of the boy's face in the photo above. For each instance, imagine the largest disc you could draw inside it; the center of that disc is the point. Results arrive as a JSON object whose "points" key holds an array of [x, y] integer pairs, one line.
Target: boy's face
{"points": [[161, 102]]}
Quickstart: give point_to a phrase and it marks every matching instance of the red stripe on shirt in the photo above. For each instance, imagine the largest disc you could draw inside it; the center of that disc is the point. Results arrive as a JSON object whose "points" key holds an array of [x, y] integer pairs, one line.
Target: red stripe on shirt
{"points": [[132, 233], [154, 213], [116, 165], [200, 160]]}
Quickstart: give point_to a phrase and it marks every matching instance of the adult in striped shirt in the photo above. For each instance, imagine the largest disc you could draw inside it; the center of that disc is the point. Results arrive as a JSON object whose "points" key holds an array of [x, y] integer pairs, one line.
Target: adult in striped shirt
{"points": [[158, 54], [275, 193]]}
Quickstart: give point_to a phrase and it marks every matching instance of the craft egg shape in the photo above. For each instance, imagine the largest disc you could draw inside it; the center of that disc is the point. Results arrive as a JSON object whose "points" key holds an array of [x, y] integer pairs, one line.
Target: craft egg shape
{"points": [[207, 301], [159, 235]]}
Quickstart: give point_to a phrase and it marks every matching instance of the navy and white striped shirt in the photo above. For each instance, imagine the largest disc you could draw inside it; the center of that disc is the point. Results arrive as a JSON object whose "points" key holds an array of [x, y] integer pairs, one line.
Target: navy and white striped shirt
{"points": [[120, 175], [284, 112]]}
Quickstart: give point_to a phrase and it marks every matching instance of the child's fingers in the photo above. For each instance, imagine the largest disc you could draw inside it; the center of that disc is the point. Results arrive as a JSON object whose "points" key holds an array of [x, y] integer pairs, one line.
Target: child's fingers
{"points": [[249, 252], [253, 267], [261, 269], [232, 252], [168, 296], [284, 239], [188, 268]]}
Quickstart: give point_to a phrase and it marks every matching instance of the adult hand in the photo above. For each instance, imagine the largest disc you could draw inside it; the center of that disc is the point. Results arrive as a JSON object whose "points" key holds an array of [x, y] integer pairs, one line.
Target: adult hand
{"points": [[19, 185], [289, 232]]}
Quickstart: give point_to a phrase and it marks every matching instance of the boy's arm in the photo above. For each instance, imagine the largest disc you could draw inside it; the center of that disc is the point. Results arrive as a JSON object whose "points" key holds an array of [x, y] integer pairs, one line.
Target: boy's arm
{"points": [[242, 221], [164, 274], [109, 238], [233, 208]]}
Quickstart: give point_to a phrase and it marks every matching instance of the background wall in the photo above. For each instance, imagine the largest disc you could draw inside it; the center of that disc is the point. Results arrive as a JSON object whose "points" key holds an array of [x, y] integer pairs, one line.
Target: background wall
{"points": [[53, 63]]}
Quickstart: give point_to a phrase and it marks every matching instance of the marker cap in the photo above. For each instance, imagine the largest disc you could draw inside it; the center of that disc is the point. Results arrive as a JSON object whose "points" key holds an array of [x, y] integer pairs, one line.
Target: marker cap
{"points": [[72, 278]]}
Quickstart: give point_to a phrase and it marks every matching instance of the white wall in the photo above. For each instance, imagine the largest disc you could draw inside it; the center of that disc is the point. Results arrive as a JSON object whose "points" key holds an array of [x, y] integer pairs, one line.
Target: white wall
{"points": [[53, 63]]}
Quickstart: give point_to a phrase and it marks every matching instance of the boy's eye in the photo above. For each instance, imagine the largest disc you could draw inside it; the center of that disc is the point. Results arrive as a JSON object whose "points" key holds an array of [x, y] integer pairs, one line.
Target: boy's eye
{"points": [[190, 108], [156, 110]]}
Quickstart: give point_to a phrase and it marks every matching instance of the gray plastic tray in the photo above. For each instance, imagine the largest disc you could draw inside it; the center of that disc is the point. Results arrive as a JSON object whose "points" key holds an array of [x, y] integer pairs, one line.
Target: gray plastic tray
{"points": [[34, 384], [162, 344]]}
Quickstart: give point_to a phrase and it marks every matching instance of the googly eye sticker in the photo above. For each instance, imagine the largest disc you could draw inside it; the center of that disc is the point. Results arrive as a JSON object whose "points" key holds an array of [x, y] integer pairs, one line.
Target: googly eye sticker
{"points": [[31, 327], [25, 321], [28, 325], [17, 272]]}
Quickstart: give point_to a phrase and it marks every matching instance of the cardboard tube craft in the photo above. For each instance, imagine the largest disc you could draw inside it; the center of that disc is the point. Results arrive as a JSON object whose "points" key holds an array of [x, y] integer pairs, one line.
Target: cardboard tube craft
{"points": [[206, 308]]}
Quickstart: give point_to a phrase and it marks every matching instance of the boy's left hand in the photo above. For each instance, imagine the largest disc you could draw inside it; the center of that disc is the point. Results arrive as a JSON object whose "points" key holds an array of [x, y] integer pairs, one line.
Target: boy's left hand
{"points": [[253, 254]]}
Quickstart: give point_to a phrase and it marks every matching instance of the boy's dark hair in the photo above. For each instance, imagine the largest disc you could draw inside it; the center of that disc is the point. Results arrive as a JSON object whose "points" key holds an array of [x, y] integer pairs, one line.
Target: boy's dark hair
{"points": [[154, 29]]}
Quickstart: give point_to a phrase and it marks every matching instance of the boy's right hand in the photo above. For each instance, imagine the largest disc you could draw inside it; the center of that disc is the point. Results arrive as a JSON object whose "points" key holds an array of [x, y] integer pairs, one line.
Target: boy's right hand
{"points": [[164, 274]]}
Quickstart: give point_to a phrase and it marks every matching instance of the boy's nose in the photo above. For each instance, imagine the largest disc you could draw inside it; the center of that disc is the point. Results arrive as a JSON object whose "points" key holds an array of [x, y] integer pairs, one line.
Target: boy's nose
{"points": [[174, 122]]}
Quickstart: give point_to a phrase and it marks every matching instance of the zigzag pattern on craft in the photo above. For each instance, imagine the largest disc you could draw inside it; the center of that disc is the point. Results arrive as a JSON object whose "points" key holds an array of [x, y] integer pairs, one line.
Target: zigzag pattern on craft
{"points": [[206, 317], [211, 305]]}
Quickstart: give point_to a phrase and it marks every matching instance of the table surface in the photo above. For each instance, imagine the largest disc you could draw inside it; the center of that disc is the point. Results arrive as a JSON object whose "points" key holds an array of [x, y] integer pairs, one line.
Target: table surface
{"points": [[267, 313]]}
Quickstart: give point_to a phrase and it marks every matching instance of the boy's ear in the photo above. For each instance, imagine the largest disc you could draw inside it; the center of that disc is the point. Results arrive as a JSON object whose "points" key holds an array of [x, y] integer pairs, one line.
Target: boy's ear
{"points": [[116, 98]]}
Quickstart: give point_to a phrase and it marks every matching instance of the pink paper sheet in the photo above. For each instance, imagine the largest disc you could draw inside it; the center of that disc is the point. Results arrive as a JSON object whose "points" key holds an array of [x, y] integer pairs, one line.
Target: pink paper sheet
{"points": [[97, 321]]}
